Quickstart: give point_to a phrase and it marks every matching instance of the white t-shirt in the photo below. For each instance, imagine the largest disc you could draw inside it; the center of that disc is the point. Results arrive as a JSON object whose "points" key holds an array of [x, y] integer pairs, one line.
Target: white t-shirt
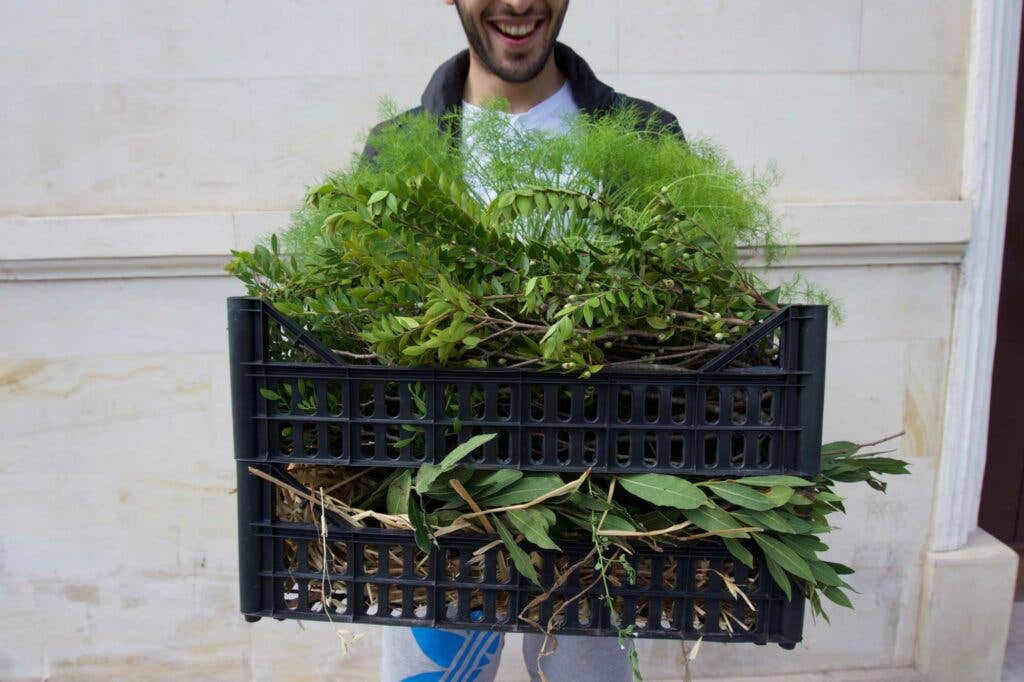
{"points": [[553, 115]]}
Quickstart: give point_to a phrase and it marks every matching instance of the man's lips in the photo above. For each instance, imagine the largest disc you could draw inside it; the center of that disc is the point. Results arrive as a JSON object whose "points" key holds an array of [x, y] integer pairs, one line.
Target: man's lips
{"points": [[517, 32]]}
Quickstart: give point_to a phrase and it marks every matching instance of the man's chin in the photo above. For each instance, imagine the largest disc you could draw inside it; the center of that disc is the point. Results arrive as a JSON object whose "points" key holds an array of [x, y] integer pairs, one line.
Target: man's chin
{"points": [[517, 70]]}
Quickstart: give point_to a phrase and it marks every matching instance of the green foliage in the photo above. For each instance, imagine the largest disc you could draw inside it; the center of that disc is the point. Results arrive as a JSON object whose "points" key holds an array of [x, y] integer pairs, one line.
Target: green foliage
{"points": [[606, 246], [664, 490], [609, 246], [428, 473], [782, 517]]}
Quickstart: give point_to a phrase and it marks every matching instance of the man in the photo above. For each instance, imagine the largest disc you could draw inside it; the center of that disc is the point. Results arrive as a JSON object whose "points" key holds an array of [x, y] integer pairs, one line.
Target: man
{"points": [[513, 54]]}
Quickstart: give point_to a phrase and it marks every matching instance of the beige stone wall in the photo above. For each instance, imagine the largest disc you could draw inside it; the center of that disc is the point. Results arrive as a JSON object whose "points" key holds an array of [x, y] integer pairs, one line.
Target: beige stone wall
{"points": [[142, 140]]}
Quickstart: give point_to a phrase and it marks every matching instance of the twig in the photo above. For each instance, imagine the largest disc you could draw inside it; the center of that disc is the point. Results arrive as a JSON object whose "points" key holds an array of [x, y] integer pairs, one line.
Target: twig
{"points": [[304, 495], [468, 499], [861, 446]]}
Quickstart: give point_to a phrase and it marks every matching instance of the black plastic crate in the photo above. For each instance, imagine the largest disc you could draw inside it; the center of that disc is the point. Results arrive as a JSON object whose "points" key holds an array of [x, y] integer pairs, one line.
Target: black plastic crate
{"points": [[728, 418], [333, 413], [681, 595]]}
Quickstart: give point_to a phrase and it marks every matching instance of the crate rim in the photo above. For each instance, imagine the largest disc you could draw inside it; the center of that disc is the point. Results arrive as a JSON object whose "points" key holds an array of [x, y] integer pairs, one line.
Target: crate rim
{"points": [[711, 368]]}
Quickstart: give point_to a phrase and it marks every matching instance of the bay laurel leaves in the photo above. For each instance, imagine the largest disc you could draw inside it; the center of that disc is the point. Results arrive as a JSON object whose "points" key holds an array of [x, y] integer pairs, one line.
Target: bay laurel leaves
{"points": [[398, 493], [526, 489], [779, 494], [780, 577], [714, 519], [840, 447], [741, 495], [614, 522], [737, 549], [519, 556], [533, 525], [806, 546], [769, 520], [490, 482], [548, 513], [419, 523], [429, 472], [771, 481], [664, 490], [784, 556], [590, 502], [837, 596], [825, 574]]}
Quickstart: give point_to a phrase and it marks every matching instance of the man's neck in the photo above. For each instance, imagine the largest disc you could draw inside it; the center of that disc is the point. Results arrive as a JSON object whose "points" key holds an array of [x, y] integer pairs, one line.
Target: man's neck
{"points": [[482, 85]]}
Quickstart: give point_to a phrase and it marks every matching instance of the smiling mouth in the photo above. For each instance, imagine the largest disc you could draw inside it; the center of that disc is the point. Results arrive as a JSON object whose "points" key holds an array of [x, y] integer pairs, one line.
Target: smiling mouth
{"points": [[517, 32]]}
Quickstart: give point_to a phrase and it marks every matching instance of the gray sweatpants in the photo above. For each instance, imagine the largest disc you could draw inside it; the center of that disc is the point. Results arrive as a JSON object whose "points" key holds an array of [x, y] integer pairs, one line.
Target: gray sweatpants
{"points": [[429, 655]]}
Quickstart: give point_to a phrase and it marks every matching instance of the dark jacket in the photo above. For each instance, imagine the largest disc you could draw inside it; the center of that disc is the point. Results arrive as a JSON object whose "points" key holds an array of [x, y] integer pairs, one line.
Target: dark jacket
{"points": [[443, 93]]}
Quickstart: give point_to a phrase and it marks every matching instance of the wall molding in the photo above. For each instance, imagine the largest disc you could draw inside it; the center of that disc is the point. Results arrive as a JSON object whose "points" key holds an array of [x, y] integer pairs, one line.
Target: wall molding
{"points": [[198, 244], [991, 102]]}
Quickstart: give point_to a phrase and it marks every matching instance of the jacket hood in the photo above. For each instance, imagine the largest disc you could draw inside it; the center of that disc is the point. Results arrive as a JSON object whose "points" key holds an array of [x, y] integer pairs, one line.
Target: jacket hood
{"points": [[444, 91]]}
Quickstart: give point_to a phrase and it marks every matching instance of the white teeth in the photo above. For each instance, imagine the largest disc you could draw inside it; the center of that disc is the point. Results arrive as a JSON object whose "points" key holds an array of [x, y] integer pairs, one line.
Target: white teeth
{"points": [[517, 30]]}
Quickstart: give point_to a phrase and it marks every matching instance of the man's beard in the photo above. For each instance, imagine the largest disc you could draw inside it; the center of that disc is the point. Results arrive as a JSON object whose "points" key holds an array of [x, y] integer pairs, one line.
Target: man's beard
{"points": [[517, 74]]}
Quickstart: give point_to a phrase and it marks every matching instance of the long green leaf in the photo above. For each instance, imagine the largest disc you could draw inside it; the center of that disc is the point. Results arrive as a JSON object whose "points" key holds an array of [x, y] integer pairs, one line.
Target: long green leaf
{"points": [[429, 472], [533, 525], [779, 494], [398, 493], [419, 523], [519, 556], [838, 596], [806, 546], [769, 520], [589, 502], [784, 556], [664, 490], [780, 577], [716, 520], [656, 519], [613, 522], [490, 482], [737, 549], [840, 447], [825, 574], [771, 481], [526, 489], [741, 495], [547, 512], [840, 569]]}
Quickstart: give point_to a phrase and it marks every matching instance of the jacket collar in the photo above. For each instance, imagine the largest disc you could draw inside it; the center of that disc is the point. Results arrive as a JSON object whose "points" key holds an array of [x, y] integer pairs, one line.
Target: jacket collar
{"points": [[443, 93]]}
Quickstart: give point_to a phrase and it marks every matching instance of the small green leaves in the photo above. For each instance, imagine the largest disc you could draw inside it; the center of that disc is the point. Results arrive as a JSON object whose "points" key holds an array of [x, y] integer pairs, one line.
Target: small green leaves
{"points": [[270, 395], [378, 196], [657, 322], [664, 490]]}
